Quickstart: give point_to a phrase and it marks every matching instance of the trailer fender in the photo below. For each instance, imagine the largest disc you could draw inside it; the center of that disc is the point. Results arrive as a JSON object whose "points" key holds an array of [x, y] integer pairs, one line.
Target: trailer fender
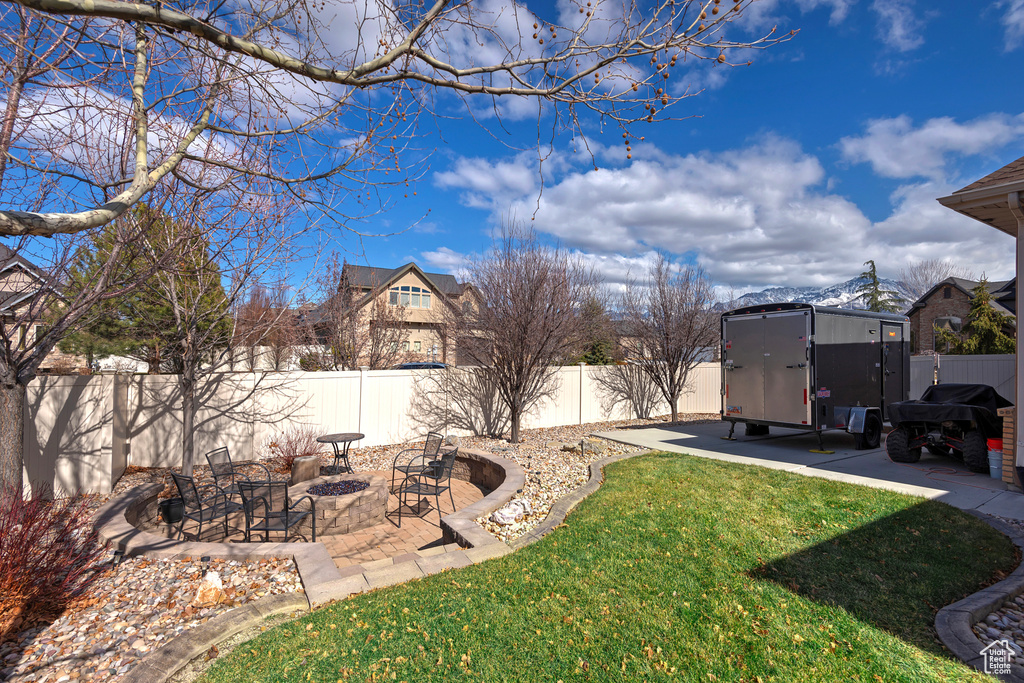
{"points": [[858, 418]]}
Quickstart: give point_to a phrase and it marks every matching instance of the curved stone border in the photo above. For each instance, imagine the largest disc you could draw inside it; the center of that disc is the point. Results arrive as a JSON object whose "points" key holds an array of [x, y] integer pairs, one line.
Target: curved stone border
{"points": [[321, 579], [953, 622]]}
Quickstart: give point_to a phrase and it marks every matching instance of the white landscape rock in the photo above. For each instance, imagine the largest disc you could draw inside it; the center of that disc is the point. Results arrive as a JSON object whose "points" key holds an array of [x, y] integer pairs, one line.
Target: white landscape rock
{"points": [[510, 514]]}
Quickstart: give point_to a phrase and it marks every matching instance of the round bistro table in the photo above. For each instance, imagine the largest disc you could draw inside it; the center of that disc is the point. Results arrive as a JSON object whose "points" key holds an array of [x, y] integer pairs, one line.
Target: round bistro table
{"points": [[341, 443]]}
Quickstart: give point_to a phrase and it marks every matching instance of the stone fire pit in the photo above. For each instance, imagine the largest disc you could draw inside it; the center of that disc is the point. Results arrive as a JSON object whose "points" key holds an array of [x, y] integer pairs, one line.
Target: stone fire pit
{"points": [[340, 514]]}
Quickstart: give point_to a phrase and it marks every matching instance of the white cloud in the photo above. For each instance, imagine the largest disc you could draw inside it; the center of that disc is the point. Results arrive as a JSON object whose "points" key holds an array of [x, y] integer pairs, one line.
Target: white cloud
{"points": [[899, 27], [445, 260], [760, 216], [895, 148], [1012, 18]]}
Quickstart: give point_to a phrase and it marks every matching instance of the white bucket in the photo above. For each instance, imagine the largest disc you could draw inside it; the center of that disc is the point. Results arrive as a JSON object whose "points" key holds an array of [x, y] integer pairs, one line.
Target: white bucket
{"points": [[995, 464]]}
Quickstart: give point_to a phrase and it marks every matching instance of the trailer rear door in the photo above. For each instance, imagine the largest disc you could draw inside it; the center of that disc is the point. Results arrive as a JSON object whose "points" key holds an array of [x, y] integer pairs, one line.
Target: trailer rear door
{"points": [[743, 358], [787, 367]]}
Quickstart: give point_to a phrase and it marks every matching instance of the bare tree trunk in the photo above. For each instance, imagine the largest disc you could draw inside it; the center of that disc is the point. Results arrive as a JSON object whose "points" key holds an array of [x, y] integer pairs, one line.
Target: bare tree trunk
{"points": [[12, 434], [187, 383]]}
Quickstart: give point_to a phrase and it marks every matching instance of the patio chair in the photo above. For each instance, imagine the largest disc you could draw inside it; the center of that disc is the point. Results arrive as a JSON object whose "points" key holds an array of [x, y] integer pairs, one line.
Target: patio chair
{"points": [[419, 457], [202, 503], [433, 480], [227, 474], [267, 508]]}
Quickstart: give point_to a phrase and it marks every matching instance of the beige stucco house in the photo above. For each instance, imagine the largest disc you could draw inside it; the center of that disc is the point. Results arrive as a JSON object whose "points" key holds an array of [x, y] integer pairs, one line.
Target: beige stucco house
{"points": [[427, 302]]}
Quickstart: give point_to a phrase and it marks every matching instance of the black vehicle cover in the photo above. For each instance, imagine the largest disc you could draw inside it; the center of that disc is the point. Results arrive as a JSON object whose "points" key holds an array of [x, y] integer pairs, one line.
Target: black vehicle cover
{"points": [[954, 402]]}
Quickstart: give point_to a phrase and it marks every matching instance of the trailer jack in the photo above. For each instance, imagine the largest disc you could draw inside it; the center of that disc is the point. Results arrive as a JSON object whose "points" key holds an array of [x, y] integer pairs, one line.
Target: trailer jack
{"points": [[821, 446], [732, 428]]}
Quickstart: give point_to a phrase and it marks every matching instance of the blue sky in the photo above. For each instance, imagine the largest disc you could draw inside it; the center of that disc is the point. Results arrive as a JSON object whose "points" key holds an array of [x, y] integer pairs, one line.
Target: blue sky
{"points": [[829, 150]]}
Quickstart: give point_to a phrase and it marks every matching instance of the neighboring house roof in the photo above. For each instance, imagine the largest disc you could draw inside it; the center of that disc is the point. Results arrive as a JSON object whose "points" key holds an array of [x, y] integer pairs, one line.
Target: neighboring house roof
{"points": [[368, 276], [999, 290], [10, 296], [378, 279], [992, 199]]}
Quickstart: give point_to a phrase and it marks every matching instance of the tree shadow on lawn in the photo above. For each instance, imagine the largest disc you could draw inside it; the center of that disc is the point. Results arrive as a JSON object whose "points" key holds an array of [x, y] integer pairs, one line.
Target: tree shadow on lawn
{"points": [[897, 572]]}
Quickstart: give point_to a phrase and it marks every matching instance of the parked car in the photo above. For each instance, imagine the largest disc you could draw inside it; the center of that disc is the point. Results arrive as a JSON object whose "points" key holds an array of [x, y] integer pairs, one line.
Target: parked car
{"points": [[949, 419], [420, 366]]}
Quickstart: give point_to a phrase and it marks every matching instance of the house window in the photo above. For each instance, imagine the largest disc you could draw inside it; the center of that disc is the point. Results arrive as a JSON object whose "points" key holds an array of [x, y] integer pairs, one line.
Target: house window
{"points": [[416, 346], [949, 324], [405, 346], [947, 293], [409, 296], [467, 307]]}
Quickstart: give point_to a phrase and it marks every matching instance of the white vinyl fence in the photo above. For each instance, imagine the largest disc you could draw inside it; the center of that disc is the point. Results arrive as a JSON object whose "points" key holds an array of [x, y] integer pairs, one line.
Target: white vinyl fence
{"points": [[996, 371], [81, 432]]}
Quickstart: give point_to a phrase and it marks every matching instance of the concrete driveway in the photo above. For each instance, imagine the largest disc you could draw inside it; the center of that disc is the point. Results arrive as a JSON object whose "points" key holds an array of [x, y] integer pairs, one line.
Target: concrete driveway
{"points": [[934, 477]]}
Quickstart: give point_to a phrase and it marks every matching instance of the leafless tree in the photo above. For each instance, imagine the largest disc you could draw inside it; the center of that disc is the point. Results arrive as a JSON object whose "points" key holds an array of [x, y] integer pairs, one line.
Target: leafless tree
{"points": [[528, 320], [352, 328], [668, 325], [265, 326], [317, 99], [917, 278]]}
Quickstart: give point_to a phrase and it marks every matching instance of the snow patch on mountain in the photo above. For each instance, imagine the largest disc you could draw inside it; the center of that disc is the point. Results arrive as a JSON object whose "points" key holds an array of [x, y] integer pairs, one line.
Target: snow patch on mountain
{"points": [[842, 295]]}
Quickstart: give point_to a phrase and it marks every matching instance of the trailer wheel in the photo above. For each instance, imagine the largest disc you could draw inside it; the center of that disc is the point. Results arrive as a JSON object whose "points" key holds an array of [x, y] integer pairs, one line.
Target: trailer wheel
{"points": [[872, 434], [898, 446], [975, 451], [755, 430]]}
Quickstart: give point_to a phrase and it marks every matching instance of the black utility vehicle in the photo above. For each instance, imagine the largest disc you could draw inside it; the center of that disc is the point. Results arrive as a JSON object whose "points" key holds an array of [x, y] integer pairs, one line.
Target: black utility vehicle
{"points": [[949, 419]]}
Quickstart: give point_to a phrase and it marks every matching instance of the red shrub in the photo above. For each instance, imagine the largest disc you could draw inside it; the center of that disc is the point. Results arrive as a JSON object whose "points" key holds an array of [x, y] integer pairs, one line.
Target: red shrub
{"points": [[293, 444], [48, 556]]}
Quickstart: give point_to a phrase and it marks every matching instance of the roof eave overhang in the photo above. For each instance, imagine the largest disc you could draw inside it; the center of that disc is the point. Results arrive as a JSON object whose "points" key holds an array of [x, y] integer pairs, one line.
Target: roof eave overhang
{"points": [[988, 205]]}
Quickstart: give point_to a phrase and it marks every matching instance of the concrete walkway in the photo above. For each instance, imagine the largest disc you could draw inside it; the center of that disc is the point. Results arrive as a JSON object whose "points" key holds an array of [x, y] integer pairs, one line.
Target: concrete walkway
{"points": [[934, 477]]}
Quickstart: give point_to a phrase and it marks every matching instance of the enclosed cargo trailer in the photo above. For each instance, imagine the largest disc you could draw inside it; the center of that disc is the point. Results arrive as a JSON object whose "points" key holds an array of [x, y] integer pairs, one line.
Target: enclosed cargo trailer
{"points": [[814, 368]]}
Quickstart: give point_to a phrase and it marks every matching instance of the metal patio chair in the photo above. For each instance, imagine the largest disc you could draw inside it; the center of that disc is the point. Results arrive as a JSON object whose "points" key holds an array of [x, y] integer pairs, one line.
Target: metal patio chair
{"points": [[267, 508], [417, 458], [433, 480], [202, 503], [227, 474]]}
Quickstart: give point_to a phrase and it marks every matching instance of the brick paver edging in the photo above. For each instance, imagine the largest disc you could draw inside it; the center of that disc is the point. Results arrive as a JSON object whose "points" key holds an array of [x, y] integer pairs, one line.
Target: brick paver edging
{"points": [[953, 622], [321, 579], [564, 505]]}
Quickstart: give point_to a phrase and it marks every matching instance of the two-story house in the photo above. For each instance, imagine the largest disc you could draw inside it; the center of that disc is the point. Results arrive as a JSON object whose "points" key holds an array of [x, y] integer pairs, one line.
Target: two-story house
{"points": [[426, 302], [946, 305]]}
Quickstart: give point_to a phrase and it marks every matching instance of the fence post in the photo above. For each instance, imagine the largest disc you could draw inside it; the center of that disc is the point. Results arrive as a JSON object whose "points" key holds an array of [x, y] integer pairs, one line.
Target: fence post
{"points": [[581, 367], [363, 369]]}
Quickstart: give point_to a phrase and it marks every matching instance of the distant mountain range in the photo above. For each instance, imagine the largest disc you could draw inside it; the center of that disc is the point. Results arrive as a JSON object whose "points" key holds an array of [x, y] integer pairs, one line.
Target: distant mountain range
{"points": [[842, 295]]}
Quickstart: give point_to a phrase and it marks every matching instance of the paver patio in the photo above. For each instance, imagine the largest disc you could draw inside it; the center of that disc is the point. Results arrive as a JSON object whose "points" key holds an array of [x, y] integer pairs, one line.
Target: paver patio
{"points": [[420, 530]]}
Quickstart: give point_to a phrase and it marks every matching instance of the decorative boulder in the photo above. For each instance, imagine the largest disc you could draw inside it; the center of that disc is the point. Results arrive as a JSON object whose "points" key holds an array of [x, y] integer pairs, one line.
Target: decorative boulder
{"points": [[304, 468], [211, 591], [511, 513]]}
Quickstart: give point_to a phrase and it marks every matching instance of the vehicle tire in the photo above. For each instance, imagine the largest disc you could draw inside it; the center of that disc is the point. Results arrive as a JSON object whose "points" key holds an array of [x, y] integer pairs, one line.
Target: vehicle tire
{"points": [[897, 444], [755, 430], [872, 434], [975, 451]]}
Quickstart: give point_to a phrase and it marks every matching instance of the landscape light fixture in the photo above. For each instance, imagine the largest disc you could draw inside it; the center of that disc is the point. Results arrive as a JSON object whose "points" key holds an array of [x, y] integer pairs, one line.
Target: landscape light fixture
{"points": [[118, 556], [205, 559]]}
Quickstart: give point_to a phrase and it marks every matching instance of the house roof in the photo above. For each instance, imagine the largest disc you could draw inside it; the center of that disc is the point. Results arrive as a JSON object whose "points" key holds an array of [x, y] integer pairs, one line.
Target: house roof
{"points": [[11, 260], [992, 199], [370, 277], [999, 289]]}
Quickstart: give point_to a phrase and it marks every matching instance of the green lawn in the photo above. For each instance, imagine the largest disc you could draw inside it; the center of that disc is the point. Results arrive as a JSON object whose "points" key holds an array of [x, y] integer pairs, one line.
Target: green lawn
{"points": [[677, 568]]}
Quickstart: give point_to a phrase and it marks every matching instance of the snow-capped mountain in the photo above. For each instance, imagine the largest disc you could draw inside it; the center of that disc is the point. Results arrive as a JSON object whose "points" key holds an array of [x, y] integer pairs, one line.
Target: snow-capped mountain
{"points": [[842, 295]]}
